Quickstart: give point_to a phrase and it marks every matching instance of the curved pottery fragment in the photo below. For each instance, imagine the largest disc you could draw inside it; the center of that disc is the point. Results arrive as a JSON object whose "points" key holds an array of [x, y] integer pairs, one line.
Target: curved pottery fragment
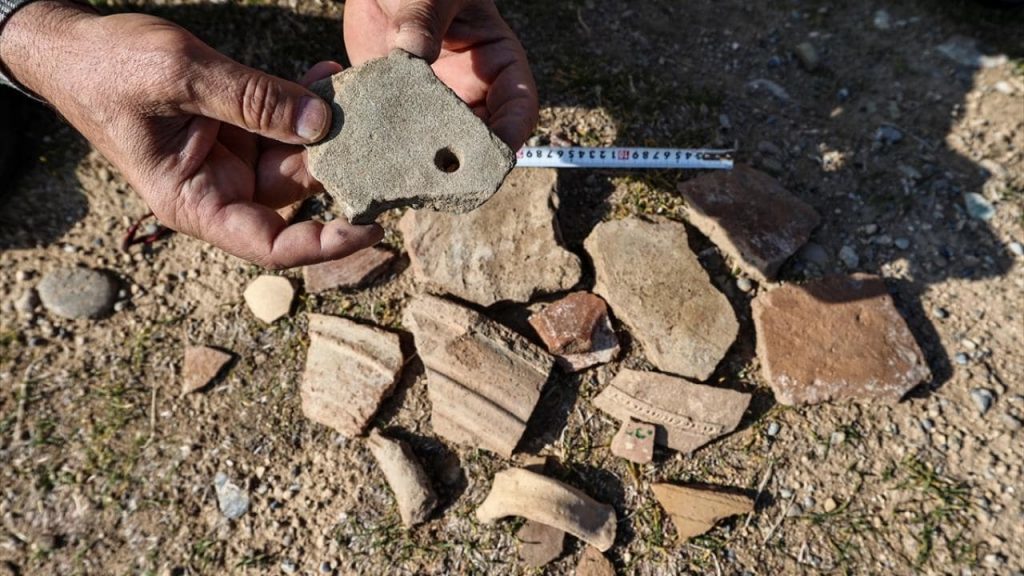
{"points": [[416, 498], [518, 492]]}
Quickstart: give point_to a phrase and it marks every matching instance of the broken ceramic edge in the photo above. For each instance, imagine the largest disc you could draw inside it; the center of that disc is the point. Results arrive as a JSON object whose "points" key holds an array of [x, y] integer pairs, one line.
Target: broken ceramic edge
{"points": [[559, 327], [699, 415], [479, 164], [519, 492], [635, 441], [409, 483], [851, 342], [539, 544], [751, 217], [470, 403], [696, 508], [203, 365], [351, 368]]}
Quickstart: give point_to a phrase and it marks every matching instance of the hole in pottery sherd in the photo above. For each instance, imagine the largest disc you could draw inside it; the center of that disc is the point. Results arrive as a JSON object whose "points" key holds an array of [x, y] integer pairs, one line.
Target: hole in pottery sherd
{"points": [[446, 160]]}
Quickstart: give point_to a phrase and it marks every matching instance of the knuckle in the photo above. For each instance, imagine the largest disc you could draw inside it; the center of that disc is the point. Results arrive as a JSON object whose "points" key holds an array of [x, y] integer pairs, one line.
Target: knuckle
{"points": [[260, 102]]}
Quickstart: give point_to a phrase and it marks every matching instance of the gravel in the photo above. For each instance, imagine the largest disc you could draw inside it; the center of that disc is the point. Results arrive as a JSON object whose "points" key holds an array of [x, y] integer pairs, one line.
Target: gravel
{"points": [[848, 255], [232, 500], [983, 399], [978, 207]]}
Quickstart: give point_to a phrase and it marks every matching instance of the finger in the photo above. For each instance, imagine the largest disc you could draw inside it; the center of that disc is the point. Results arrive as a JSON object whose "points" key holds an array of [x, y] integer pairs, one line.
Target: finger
{"points": [[258, 234], [282, 177], [512, 104], [225, 90], [419, 26], [319, 71]]}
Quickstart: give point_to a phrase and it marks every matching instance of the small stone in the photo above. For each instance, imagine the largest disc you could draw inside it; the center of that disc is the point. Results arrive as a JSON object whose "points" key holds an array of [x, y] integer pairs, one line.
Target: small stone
{"points": [[1017, 248], [351, 271], [964, 51], [837, 338], [1011, 422], [269, 297], [767, 148], [813, 253], [978, 207], [773, 429], [26, 304], [409, 483], [507, 250], [232, 500], [744, 284], [78, 292], [960, 358], [593, 563], [400, 137], [830, 505], [539, 544], [695, 510], [750, 216], [848, 256], [288, 566], [808, 55], [769, 86], [983, 399], [202, 364], [882, 20], [902, 243], [941, 313], [350, 369], [634, 441], [657, 287], [483, 379], [887, 134], [686, 415], [576, 329]]}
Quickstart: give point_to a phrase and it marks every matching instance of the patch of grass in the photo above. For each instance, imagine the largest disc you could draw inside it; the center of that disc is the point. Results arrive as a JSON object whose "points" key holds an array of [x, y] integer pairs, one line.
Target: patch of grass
{"points": [[942, 503]]}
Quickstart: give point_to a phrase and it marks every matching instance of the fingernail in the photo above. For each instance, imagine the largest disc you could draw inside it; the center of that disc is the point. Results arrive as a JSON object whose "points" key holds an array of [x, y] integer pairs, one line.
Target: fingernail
{"points": [[311, 120]]}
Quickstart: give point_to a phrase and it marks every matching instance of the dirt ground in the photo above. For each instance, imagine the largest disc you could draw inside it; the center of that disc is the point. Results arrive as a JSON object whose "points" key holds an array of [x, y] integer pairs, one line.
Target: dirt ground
{"points": [[106, 470]]}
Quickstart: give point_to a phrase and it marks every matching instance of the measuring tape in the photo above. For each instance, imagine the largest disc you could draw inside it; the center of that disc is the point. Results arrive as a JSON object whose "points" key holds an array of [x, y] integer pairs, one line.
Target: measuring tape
{"points": [[623, 158]]}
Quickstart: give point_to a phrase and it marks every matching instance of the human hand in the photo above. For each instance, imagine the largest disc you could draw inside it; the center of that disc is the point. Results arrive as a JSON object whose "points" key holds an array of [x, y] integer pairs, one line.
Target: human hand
{"points": [[212, 146], [469, 45]]}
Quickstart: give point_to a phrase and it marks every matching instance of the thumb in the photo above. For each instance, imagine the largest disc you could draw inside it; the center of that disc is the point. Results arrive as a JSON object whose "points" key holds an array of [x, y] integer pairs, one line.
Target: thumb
{"points": [[225, 90], [419, 26]]}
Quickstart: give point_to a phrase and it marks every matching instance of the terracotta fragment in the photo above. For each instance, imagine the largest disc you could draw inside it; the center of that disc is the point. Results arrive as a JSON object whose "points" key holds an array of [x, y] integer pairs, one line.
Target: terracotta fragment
{"points": [[634, 441], [506, 250], [539, 544], [837, 338], [750, 216], [269, 297], [576, 329], [415, 497], [695, 510], [686, 415], [351, 271], [593, 563], [519, 492], [483, 379], [202, 365], [350, 369], [657, 287]]}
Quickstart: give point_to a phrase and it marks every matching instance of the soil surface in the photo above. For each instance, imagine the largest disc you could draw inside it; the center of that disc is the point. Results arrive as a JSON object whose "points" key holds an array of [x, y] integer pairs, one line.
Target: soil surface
{"points": [[107, 470]]}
